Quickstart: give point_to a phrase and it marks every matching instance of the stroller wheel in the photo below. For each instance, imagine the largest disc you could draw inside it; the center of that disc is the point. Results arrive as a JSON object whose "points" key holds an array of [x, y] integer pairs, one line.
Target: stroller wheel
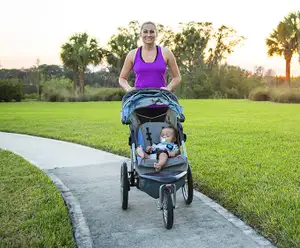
{"points": [[168, 210], [124, 186], [187, 188]]}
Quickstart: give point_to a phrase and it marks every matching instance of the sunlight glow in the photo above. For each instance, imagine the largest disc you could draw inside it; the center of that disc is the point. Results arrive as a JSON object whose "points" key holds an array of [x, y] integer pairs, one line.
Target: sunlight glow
{"points": [[39, 28]]}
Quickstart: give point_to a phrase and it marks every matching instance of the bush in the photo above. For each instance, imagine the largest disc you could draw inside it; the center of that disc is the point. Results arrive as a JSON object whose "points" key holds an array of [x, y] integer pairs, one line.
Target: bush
{"points": [[30, 88], [61, 91], [221, 81], [104, 94], [295, 82], [279, 94], [31, 96], [57, 90], [285, 95], [260, 94], [11, 90]]}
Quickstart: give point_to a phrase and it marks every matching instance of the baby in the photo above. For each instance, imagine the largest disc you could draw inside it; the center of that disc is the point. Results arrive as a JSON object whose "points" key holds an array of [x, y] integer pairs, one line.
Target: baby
{"points": [[164, 150]]}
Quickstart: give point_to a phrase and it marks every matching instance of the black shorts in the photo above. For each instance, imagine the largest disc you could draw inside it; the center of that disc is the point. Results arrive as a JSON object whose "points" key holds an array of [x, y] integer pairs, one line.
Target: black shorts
{"points": [[158, 152]]}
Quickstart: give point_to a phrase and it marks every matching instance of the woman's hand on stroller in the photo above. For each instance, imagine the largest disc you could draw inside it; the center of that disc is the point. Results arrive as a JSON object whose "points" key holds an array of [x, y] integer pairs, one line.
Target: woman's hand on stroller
{"points": [[164, 88], [169, 87], [130, 89]]}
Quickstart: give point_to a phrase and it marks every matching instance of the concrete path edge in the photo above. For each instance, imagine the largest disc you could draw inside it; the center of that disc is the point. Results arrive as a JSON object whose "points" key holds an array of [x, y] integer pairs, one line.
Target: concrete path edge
{"points": [[247, 230], [81, 231]]}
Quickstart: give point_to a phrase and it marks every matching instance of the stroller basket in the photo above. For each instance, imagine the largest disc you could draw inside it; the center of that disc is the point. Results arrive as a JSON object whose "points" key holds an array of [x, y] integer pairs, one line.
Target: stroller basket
{"points": [[151, 182], [166, 177]]}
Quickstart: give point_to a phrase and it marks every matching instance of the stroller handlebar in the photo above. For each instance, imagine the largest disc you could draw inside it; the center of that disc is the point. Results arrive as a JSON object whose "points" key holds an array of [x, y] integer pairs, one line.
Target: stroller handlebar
{"points": [[150, 91]]}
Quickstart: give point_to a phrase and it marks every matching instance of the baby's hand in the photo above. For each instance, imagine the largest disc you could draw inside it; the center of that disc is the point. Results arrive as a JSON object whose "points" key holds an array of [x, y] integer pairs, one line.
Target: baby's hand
{"points": [[172, 154], [148, 149]]}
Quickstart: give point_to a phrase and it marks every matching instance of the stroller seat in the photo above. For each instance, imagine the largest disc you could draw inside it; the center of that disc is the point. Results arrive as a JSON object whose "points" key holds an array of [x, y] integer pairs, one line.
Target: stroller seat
{"points": [[148, 134], [172, 162]]}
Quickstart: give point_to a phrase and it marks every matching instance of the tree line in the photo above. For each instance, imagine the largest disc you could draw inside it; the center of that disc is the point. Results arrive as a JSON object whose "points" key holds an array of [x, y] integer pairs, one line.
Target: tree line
{"points": [[200, 50]]}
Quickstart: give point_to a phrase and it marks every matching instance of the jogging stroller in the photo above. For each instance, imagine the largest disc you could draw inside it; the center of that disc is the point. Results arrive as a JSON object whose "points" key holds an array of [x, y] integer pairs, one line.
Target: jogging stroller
{"points": [[147, 111]]}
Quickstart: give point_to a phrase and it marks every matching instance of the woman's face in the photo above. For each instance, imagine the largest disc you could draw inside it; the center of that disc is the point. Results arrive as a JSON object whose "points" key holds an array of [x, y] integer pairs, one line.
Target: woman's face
{"points": [[148, 34]]}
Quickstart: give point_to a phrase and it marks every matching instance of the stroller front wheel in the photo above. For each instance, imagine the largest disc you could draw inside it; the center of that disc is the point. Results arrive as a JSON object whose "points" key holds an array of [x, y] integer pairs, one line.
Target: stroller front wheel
{"points": [[168, 209], [124, 183]]}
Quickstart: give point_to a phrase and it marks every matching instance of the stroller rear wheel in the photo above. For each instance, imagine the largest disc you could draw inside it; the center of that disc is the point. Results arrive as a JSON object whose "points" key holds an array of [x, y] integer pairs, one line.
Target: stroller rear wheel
{"points": [[124, 186], [187, 189], [168, 209]]}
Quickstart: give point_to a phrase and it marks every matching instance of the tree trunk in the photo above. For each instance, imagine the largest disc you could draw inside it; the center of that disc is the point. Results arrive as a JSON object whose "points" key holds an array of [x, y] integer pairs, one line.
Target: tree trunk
{"points": [[298, 40], [74, 82], [288, 70], [75, 79], [81, 82], [299, 50], [38, 86], [38, 92]]}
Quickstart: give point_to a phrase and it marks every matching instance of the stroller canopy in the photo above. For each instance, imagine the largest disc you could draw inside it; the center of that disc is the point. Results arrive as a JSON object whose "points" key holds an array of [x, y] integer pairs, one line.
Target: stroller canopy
{"points": [[143, 98]]}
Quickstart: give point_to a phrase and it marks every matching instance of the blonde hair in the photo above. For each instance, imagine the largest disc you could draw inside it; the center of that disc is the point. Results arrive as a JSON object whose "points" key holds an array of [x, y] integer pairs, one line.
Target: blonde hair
{"points": [[149, 22]]}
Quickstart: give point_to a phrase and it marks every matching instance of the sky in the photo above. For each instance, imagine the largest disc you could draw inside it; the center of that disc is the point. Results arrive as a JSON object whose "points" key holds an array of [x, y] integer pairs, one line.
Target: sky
{"points": [[31, 29]]}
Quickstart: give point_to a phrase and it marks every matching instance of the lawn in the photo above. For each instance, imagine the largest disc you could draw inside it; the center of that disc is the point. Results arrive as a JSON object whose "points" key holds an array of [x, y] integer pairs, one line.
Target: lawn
{"points": [[244, 154], [32, 211]]}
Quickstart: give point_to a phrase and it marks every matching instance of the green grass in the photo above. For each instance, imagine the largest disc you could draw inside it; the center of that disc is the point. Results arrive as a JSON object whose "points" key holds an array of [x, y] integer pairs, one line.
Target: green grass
{"points": [[244, 154], [32, 211]]}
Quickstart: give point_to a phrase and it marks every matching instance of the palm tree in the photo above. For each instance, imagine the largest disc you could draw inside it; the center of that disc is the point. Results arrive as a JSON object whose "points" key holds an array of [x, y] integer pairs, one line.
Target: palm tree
{"points": [[78, 53], [68, 57], [283, 42], [293, 22]]}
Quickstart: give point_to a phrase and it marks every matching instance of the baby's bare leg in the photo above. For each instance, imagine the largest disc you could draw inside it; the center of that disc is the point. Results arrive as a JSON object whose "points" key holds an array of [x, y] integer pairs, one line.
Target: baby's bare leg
{"points": [[162, 160]]}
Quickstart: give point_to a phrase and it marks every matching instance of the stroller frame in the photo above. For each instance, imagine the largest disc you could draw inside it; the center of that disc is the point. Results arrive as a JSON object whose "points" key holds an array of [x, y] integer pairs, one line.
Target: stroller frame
{"points": [[164, 184]]}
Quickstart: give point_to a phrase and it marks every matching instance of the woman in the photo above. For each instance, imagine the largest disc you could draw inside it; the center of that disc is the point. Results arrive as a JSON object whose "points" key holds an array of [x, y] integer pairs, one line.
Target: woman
{"points": [[149, 63]]}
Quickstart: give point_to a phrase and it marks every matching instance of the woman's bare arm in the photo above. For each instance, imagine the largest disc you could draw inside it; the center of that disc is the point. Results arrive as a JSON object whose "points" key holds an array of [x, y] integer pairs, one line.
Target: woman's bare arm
{"points": [[171, 62], [128, 63]]}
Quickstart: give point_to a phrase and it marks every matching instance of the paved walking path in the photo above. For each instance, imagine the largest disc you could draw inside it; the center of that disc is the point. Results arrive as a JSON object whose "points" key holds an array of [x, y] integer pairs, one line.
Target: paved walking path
{"points": [[89, 181]]}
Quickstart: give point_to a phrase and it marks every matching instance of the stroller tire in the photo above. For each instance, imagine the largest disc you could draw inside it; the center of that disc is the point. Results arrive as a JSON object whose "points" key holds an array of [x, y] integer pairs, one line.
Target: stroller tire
{"points": [[168, 210], [187, 189], [124, 183]]}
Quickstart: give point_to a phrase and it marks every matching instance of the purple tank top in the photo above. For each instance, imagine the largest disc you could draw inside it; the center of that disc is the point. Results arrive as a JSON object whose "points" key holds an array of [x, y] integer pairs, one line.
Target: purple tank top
{"points": [[150, 75]]}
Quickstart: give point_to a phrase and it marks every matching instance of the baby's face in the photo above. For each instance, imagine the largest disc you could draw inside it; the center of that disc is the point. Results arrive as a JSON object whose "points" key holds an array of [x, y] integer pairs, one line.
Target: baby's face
{"points": [[167, 135]]}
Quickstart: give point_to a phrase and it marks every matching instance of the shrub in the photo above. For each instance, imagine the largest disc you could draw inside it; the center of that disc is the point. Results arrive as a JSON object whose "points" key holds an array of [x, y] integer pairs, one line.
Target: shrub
{"points": [[57, 90], [223, 81], [31, 96], [260, 94], [104, 94], [61, 91], [279, 94], [30, 88], [285, 95], [11, 90]]}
